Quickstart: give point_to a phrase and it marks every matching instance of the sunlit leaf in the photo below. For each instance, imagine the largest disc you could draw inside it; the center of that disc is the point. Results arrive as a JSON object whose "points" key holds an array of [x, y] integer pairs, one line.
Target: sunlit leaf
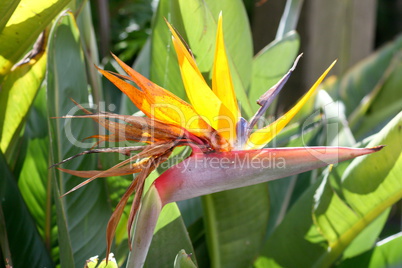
{"points": [[386, 253], [7, 8], [18, 91], [28, 20], [368, 237]]}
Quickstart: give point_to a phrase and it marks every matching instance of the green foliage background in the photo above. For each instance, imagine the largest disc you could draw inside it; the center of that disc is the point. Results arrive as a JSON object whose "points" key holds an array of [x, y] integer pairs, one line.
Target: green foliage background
{"points": [[342, 216]]}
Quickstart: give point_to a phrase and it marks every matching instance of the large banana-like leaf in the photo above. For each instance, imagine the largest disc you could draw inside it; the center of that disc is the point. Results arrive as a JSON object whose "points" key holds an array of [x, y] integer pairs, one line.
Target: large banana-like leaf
{"points": [[7, 8], [84, 212], [370, 90], [368, 186], [386, 253], [363, 78], [233, 238], [22, 238], [18, 91], [382, 103], [28, 20], [337, 132], [33, 181]]}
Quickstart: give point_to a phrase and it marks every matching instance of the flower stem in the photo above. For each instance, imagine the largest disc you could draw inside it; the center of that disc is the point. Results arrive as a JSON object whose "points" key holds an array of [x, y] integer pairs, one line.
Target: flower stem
{"points": [[211, 231]]}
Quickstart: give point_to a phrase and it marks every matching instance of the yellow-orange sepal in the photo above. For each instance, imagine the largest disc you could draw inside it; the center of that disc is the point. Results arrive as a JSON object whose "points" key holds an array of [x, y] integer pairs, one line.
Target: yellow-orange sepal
{"points": [[222, 84], [156, 102], [202, 98]]}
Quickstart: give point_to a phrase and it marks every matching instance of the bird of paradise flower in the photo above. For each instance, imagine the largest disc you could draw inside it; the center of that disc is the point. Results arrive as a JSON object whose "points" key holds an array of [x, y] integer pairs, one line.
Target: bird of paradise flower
{"points": [[212, 126]]}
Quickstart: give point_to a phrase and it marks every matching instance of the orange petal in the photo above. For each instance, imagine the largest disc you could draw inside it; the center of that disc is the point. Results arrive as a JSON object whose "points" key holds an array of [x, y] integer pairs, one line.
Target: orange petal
{"points": [[203, 99], [261, 137], [158, 103], [222, 84]]}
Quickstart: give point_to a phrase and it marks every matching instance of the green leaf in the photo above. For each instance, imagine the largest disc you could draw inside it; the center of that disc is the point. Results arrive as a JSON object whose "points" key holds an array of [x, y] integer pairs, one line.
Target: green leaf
{"points": [[368, 237], [363, 77], [7, 8], [90, 49], [26, 246], [368, 186], [283, 191], [28, 20], [270, 64], [385, 254], [84, 212], [289, 19], [370, 90], [183, 260], [383, 103], [169, 235], [18, 91], [233, 239], [294, 232], [371, 185], [33, 180], [65, 245], [195, 20]]}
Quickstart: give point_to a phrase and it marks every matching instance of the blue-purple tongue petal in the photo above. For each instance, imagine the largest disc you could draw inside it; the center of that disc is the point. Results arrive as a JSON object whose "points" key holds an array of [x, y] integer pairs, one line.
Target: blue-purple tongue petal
{"points": [[241, 132], [268, 97]]}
